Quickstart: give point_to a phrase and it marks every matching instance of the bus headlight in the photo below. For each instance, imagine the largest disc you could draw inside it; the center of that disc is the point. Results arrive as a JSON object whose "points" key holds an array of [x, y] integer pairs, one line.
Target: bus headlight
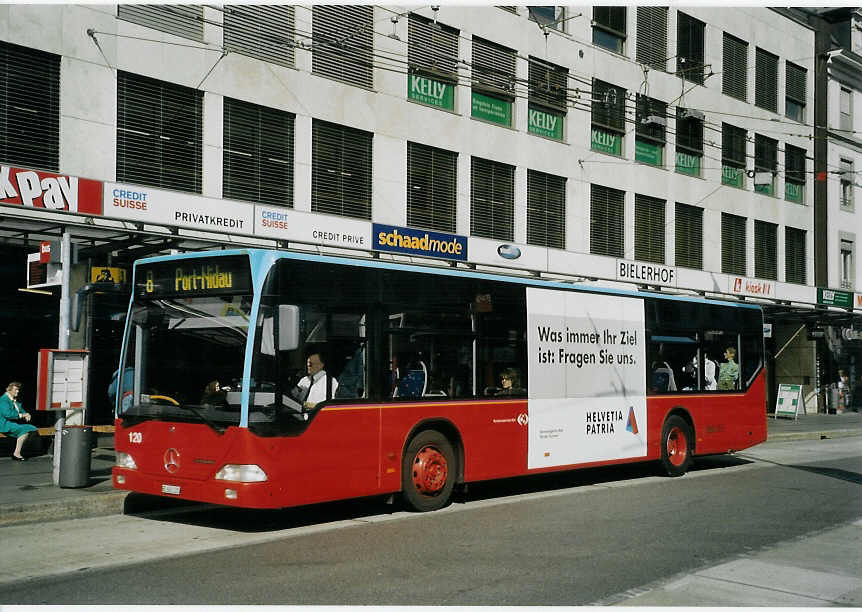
{"points": [[241, 473], [124, 460]]}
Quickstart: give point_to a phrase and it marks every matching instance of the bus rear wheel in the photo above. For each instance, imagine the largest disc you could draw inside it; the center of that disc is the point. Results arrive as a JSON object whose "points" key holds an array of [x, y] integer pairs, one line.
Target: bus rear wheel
{"points": [[676, 446], [428, 471]]}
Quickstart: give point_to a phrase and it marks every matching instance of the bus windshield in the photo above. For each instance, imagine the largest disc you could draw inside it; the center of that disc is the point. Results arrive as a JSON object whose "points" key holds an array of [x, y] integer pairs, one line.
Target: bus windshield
{"points": [[184, 359]]}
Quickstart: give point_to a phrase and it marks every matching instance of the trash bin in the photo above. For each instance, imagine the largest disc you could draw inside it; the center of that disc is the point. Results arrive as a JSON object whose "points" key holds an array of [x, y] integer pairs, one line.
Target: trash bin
{"points": [[75, 456]]}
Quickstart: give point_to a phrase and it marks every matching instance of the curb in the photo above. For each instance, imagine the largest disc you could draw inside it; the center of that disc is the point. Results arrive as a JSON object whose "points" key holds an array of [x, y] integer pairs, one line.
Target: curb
{"points": [[97, 504], [813, 435]]}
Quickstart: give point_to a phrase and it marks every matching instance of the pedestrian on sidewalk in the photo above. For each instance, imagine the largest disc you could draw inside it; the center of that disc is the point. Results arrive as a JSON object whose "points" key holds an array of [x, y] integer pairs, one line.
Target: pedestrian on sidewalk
{"points": [[11, 412]]}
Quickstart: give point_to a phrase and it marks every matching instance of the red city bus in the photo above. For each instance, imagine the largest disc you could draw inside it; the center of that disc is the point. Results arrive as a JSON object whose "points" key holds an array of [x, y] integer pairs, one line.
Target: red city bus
{"points": [[267, 379]]}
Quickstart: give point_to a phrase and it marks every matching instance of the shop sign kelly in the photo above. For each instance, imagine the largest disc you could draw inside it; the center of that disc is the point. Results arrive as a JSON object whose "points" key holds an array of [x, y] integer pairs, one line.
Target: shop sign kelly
{"points": [[492, 109], [606, 142], [687, 164], [549, 125], [430, 91]]}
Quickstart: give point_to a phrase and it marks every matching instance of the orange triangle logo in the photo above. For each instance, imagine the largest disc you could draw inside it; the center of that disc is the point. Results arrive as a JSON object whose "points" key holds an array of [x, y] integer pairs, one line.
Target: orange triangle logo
{"points": [[632, 424]]}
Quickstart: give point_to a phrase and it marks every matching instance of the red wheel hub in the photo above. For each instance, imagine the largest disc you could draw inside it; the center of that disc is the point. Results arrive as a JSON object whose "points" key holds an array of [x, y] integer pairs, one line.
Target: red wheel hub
{"points": [[677, 446], [430, 471]]}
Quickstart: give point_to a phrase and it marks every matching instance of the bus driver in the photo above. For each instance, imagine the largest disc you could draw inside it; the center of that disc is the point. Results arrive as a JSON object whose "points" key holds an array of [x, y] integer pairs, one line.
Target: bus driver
{"points": [[318, 386]]}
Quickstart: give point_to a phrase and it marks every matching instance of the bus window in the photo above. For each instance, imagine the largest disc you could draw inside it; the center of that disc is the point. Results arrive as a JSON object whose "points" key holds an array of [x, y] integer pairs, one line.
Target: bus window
{"points": [[429, 354], [723, 347]]}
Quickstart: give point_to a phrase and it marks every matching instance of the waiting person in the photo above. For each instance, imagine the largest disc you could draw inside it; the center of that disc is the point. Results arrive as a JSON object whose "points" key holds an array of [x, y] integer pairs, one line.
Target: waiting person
{"points": [[317, 386], [10, 412], [728, 372]]}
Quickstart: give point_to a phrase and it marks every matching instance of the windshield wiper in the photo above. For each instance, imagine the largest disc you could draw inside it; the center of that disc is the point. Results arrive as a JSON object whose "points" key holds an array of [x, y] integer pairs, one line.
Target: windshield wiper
{"points": [[199, 414]]}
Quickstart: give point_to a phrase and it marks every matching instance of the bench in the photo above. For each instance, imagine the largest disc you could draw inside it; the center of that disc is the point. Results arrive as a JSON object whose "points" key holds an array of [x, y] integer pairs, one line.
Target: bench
{"points": [[49, 431]]}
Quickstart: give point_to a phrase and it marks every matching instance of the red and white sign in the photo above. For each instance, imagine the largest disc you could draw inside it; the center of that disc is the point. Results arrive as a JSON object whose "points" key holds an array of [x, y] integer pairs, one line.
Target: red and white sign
{"points": [[45, 252], [312, 228], [858, 302], [174, 208], [755, 287], [50, 191]]}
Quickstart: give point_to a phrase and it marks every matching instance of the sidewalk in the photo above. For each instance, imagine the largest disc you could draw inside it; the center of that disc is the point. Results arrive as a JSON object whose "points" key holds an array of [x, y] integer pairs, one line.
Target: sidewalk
{"points": [[27, 492]]}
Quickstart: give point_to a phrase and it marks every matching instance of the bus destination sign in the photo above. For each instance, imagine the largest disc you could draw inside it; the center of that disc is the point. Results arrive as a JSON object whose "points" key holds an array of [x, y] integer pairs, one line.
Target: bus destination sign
{"points": [[194, 277]]}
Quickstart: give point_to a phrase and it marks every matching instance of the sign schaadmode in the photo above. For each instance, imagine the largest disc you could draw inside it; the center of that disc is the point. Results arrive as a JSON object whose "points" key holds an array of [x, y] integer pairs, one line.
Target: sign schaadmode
{"points": [[409, 241]]}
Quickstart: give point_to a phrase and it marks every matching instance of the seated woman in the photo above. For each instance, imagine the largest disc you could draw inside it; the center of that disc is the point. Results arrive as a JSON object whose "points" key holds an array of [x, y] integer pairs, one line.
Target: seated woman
{"points": [[10, 412]]}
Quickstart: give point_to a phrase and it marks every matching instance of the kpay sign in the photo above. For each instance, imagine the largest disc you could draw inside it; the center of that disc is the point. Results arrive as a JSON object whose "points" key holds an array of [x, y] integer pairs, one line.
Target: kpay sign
{"points": [[49, 190]]}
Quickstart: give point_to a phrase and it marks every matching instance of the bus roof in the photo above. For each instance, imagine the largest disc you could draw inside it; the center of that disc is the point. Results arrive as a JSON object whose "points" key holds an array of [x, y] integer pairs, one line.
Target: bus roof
{"points": [[258, 255]]}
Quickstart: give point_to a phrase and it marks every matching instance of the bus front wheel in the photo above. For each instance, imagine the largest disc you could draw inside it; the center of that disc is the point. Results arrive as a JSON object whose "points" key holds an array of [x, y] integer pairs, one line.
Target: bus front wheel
{"points": [[676, 446], [428, 471]]}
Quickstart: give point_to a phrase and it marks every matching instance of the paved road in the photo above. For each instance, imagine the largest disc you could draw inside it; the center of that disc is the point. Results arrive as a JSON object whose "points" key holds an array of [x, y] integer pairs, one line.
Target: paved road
{"points": [[722, 535]]}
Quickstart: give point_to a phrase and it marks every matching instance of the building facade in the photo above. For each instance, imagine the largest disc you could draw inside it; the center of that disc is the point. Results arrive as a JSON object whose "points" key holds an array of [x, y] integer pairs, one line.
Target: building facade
{"points": [[655, 147]]}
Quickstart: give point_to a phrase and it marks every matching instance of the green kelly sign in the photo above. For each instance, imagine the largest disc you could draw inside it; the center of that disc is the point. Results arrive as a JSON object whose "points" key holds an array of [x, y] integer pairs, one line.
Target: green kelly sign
{"points": [[543, 123], [735, 177], [649, 153], [831, 297], [492, 109], [606, 142], [687, 163], [766, 189], [793, 192], [430, 91]]}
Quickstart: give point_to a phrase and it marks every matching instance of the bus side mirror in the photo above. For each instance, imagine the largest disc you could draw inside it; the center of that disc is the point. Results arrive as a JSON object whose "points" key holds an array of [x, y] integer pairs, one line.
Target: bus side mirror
{"points": [[288, 327], [288, 330]]}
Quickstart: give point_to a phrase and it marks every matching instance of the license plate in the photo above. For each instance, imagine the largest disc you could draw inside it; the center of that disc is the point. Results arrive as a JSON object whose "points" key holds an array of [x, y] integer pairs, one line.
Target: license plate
{"points": [[170, 489]]}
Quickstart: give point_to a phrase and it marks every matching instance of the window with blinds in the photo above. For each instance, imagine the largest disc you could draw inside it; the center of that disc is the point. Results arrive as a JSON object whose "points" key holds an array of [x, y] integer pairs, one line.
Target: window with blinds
{"points": [[185, 20], [765, 250], [29, 107], [608, 107], [158, 133], [795, 91], [733, 157], [765, 163], [546, 209], [343, 43], [733, 141], [340, 170], [432, 187], [548, 84], [649, 229], [689, 48], [734, 74], [848, 177], [492, 199], [607, 217], [493, 68], [652, 37], [845, 110], [650, 119], [688, 234], [432, 48], [609, 27], [794, 164], [766, 80], [264, 32], [732, 244], [689, 132], [258, 153], [794, 256]]}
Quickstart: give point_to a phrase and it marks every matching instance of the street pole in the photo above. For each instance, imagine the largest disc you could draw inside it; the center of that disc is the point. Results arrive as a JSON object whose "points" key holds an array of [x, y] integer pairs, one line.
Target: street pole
{"points": [[63, 344]]}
